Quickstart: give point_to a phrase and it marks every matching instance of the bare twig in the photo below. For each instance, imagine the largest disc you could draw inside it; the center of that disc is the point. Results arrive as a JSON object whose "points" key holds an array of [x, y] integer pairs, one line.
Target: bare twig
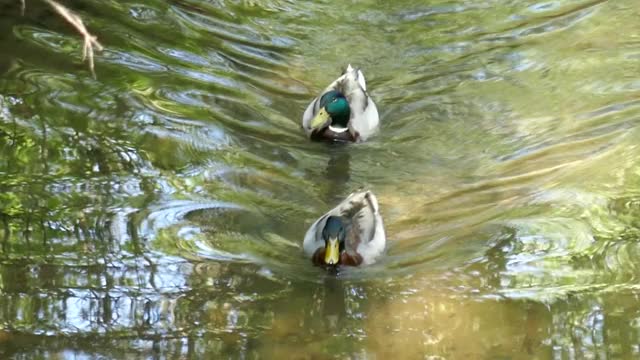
{"points": [[23, 6], [90, 41]]}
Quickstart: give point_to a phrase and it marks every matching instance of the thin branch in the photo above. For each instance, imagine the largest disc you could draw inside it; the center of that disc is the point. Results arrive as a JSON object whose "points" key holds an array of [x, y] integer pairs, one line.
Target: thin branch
{"points": [[90, 41], [23, 6]]}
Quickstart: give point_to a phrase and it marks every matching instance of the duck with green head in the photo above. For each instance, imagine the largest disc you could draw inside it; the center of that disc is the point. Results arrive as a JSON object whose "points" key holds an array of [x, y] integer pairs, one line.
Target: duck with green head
{"points": [[343, 111], [350, 234]]}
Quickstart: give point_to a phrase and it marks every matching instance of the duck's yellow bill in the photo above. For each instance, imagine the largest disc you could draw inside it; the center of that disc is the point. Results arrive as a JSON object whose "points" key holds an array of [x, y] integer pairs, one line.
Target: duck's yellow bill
{"points": [[320, 120], [332, 252]]}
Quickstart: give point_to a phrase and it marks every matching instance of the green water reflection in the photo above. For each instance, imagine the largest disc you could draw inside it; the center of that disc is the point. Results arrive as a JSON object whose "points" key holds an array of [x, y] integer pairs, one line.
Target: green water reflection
{"points": [[158, 210]]}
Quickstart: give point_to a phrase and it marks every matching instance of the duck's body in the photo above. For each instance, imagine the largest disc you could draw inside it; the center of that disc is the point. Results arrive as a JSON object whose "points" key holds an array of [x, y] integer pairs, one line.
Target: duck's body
{"points": [[351, 234], [343, 111]]}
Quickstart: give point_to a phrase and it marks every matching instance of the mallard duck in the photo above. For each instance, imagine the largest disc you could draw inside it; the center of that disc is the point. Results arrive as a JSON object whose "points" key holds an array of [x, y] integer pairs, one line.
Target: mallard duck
{"points": [[343, 112], [351, 234]]}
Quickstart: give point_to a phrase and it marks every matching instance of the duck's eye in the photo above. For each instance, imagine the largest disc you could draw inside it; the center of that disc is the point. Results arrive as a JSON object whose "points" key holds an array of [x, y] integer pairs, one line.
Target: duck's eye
{"points": [[334, 100]]}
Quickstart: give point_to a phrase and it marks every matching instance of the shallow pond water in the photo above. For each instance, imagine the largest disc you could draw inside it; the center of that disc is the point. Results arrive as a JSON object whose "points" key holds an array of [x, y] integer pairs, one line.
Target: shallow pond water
{"points": [[158, 210]]}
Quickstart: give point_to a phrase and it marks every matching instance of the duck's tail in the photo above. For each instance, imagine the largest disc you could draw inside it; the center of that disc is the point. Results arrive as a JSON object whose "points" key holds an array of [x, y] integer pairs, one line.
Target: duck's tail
{"points": [[356, 75]]}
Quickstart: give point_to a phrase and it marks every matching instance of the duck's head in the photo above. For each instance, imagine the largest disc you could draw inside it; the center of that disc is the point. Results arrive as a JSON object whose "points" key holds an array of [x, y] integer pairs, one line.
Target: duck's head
{"points": [[334, 234], [334, 111]]}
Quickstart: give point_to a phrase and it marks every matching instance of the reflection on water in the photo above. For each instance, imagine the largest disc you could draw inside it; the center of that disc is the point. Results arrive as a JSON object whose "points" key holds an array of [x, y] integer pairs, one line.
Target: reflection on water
{"points": [[337, 173], [158, 210]]}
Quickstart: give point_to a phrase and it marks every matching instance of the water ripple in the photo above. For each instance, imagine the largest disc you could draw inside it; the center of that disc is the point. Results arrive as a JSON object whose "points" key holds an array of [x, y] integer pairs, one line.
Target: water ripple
{"points": [[172, 212], [166, 199]]}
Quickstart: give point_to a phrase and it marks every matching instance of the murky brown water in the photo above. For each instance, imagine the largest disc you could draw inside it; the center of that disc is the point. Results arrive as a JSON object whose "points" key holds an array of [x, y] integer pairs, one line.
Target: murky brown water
{"points": [[158, 210]]}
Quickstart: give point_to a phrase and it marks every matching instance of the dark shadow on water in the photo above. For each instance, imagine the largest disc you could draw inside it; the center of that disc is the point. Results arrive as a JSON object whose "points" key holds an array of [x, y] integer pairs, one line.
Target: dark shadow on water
{"points": [[333, 304], [338, 172]]}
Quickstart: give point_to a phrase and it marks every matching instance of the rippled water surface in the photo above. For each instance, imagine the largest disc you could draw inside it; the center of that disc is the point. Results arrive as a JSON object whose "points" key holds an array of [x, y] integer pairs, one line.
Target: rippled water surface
{"points": [[158, 210]]}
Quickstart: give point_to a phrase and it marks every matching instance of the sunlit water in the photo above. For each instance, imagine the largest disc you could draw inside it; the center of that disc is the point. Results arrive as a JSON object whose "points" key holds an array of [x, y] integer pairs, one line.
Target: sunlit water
{"points": [[158, 210]]}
